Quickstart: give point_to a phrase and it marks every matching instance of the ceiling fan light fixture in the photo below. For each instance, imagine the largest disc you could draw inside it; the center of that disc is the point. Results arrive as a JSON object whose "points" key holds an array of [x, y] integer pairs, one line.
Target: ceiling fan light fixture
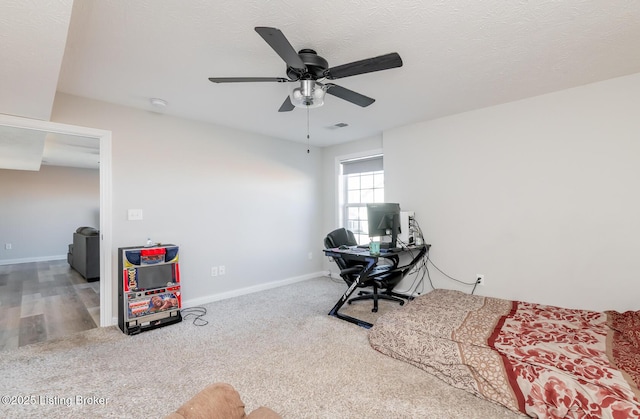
{"points": [[308, 95]]}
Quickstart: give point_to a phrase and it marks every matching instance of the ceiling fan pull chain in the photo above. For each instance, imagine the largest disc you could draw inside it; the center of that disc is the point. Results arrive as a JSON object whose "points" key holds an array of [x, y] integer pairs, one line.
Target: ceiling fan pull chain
{"points": [[307, 130]]}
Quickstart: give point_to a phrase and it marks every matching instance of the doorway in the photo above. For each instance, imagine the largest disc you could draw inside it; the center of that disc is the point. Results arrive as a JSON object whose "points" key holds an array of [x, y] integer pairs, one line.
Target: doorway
{"points": [[104, 137]]}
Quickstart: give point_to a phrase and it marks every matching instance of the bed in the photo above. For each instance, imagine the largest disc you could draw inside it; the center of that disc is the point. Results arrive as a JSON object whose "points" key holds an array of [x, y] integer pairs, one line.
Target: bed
{"points": [[543, 361]]}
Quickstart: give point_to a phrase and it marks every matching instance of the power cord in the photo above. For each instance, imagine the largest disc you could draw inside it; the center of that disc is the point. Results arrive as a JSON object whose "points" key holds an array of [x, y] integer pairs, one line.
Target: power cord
{"points": [[419, 279], [475, 284], [198, 313], [450, 277], [426, 269], [335, 280]]}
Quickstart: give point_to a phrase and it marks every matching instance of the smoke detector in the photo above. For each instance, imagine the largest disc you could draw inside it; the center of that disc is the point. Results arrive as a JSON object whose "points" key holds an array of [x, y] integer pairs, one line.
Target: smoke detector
{"points": [[158, 104]]}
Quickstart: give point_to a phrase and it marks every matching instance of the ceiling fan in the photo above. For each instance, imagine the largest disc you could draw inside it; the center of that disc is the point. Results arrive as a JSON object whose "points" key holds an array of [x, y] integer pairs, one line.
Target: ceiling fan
{"points": [[307, 67]]}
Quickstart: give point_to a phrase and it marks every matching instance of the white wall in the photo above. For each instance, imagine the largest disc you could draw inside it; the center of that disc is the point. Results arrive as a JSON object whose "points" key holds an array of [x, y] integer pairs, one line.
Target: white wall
{"points": [[226, 197], [40, 210], [331, 155], [540, 196]]}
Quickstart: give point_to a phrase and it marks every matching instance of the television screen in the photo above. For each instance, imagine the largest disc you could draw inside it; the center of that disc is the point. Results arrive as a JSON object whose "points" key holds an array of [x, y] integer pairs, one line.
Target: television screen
{"points": [[156, 276]]}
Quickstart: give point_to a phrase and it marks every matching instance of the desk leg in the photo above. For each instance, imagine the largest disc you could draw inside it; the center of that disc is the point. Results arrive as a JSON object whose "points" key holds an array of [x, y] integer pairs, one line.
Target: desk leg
{"points": [[340, 303]]}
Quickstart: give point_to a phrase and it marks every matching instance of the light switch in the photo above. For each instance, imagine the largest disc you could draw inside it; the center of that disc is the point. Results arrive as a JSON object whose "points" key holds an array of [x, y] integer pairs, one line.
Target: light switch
{"points": [[134, 214]]}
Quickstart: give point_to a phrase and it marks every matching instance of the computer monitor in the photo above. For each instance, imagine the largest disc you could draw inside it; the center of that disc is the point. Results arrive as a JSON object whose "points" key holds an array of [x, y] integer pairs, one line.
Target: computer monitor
{"points": [[384, 220]]}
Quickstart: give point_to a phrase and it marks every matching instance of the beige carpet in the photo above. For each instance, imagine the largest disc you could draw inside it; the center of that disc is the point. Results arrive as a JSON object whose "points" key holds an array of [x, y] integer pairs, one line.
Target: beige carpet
{"points": [[278, 348]]}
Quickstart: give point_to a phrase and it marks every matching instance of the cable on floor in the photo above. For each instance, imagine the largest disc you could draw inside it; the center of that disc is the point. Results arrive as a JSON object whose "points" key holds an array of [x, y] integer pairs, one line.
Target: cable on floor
{"points": [[197, 313]]}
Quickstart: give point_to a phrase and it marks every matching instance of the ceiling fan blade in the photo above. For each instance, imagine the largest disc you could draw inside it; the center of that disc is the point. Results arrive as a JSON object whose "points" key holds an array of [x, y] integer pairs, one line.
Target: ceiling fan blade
{"points": [[286, 106], [276, 40], [349, 95], [383, 62], [247, 79]]}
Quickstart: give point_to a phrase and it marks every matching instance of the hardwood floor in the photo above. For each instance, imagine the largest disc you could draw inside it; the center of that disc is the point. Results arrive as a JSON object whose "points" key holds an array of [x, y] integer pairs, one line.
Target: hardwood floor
{"points": [[45, 300]]}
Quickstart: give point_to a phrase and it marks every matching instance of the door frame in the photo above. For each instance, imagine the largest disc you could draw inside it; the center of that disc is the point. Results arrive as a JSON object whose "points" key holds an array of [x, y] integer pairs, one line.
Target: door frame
{"points": [[106, 254]]}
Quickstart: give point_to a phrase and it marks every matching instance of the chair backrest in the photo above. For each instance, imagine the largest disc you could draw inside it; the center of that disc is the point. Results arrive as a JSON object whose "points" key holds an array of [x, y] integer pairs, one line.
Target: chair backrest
{"points": [[339, 237]]}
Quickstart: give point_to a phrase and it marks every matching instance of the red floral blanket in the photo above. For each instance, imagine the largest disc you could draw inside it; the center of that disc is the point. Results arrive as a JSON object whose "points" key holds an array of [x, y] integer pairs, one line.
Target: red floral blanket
{"points": [[544, 361]]}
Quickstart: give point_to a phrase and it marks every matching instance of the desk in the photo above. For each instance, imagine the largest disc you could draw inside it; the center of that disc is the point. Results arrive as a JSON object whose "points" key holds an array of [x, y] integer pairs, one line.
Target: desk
{"points": [[403, 260]]}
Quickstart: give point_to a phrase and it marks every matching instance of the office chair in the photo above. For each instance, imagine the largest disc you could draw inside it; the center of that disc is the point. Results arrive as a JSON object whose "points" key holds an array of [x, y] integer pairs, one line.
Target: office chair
{"points": [[349, 270], [381, 278]]}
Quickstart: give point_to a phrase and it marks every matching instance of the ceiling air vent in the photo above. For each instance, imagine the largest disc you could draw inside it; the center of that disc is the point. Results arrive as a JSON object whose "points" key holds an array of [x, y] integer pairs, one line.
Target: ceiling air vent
{"points": [[338, 125]]}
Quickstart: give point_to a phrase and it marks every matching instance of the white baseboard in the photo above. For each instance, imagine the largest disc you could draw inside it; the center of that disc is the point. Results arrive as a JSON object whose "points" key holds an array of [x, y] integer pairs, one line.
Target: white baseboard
{"points": [[248, 290], [193, 302], [33, 259]]}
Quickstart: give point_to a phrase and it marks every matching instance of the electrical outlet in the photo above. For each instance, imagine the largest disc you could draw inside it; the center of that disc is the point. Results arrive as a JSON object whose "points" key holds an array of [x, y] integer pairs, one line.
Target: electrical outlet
{"points": [[310, 255], [214, 271], [7, 246], [480, 279], [222, 270]]}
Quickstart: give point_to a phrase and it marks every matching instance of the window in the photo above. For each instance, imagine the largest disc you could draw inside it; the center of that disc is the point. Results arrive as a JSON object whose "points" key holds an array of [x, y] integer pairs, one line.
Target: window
{"points": [[362, 182]]}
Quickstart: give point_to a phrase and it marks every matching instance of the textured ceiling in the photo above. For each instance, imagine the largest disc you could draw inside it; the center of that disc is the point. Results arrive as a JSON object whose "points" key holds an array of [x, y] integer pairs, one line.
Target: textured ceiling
{"points": [[458, 56], [32, 42]]}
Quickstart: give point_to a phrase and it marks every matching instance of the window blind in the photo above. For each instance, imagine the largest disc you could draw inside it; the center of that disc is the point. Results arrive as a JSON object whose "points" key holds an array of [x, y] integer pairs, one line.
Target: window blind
{"points": [[369, 164]]}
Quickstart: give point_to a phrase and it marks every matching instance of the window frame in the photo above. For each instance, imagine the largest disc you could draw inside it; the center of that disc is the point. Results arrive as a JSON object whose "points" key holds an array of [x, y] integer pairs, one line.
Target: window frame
{"points": [[342, 209]]}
